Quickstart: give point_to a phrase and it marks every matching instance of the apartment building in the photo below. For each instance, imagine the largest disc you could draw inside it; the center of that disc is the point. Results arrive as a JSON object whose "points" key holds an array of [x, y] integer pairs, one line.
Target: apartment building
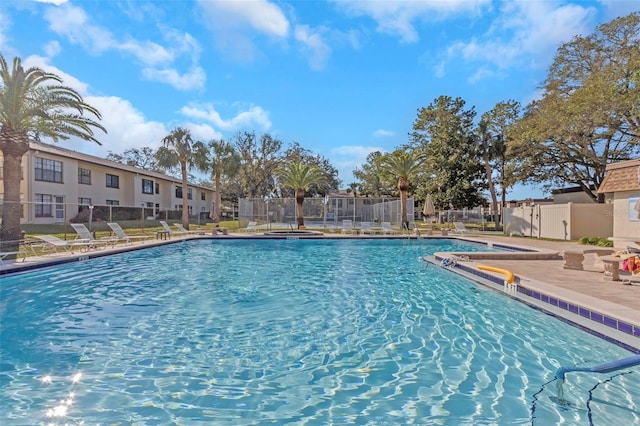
{"points": [[57, 183]]}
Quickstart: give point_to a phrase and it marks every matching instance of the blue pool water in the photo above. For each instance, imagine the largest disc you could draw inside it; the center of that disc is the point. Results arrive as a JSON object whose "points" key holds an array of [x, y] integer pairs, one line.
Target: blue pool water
{"points": [[246, 332]]}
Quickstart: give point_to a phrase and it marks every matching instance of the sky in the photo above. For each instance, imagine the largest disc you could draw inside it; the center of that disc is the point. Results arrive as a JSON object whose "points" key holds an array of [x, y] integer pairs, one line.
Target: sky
{"points": [[342, 78]]}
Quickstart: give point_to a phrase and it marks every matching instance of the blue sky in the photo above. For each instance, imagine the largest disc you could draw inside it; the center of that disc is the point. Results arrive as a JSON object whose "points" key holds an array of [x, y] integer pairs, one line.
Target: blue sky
{"points": [[342, 78]]}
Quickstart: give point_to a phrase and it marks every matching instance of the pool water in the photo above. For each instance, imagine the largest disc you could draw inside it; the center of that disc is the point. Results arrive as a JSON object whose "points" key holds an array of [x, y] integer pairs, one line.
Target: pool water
{"points": [[246, 332]]}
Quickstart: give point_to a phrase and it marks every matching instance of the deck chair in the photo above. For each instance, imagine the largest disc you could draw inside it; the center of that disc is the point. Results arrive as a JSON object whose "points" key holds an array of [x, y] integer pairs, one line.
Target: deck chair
{"points": [[167, 229], [365, 228], [252, 227], [122, 236], [85, 234], [460, 228], [184, 230], [5, 254], [388, 229], [51, 244], [347, 226]]}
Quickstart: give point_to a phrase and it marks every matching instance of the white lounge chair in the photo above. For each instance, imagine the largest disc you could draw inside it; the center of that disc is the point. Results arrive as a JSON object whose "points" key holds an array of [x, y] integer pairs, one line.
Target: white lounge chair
{"points": [[460, 228], [51, 244], [184, 230], [85, 234], [347, 226], [388, 229], [5, 254], [365, 228], [166, 229], [123, 236], [252, 227]]}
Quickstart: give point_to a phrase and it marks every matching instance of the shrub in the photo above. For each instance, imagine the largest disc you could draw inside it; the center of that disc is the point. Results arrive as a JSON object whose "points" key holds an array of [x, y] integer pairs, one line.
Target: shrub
{"points": [[595, 241]]}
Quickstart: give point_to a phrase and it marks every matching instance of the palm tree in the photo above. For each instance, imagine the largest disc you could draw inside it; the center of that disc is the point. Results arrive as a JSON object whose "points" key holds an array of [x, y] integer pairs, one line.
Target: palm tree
{"points": [[34, 104], [300, 176], [225, 161], [180, 150], [403, 166]]}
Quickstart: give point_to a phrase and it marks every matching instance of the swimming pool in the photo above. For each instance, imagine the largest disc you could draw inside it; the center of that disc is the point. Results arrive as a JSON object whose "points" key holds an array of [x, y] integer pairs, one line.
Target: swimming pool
{"points": [[290, 331]]}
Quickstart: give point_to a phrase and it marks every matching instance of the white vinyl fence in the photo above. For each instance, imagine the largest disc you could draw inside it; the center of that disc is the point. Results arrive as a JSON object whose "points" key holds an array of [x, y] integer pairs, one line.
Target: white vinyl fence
{"points": [[569, 221]]}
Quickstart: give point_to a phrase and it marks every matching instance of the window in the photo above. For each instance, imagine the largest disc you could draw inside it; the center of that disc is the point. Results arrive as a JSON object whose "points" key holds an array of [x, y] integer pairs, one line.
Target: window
{"points": [[157, 188], [84, 201], [113, 202], [178, 191], [84, 176], [149, 205], [203, 196], [147, 186], [44, 208], [113, 181], [48, 170], [189, 193]]}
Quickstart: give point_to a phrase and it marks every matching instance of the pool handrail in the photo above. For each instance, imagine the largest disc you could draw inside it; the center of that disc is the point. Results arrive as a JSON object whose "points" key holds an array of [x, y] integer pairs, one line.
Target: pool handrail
{"points": [[602, 368], [510, 277]]}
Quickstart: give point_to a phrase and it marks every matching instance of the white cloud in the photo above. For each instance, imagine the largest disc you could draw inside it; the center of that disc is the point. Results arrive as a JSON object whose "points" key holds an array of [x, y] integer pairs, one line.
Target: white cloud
{"points": [[253, 116], [56, 2], [73, 23], [526, 31], [261, 15], [313, 42], [381, 133], [397, 17]]}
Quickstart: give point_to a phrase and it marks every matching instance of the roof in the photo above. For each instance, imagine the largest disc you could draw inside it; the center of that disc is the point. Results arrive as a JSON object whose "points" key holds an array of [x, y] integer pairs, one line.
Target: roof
{"points": [[621, 176], [64, 152]]}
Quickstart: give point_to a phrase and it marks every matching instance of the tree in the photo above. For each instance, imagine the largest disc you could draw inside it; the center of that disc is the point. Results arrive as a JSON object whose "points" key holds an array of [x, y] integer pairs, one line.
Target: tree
{"points": [[402, 165], [331, 182], [180, 151], [142, 158], [589, 114], [300, 176], [492, 135], [259, 160], [224, 161], [368, 176], [454, 174], [34, 105]]}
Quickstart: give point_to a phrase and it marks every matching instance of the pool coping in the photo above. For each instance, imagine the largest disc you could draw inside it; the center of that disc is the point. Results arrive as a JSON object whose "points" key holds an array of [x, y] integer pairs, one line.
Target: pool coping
{"points": [[596, 316]]}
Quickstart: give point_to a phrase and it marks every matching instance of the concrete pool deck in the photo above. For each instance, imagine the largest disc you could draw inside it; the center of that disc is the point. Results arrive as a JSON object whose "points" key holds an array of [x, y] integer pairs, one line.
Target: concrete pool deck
{"points": [[585, 288]]}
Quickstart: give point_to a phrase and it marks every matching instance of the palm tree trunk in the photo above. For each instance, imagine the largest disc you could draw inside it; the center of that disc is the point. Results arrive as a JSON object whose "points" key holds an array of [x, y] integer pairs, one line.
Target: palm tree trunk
{"points": [[299, 208], [185, 201], [216, 207], [10, 232], [403, 187], [492, 188]]}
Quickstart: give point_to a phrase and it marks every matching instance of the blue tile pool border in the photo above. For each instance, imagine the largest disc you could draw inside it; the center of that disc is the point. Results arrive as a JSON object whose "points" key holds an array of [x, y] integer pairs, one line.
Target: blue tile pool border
{"points": [[554, 302]]}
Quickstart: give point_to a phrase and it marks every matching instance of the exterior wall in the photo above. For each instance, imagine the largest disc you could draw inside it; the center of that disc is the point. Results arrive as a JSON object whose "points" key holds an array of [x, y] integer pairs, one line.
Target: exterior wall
{"points": [[66, 194], [560, 221], [625, 218]]}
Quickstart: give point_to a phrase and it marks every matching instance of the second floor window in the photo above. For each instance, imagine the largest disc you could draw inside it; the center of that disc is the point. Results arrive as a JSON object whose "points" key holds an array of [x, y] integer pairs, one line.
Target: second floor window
{"points": [[189, 194], [48, 170], [178, 191], [157, 188], [84, 176], [113, 181], [203, 196], [147, 186]]}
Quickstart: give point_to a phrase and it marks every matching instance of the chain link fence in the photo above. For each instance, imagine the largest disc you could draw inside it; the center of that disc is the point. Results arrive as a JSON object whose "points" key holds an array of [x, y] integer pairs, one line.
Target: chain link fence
{"points": [[323, 213]]}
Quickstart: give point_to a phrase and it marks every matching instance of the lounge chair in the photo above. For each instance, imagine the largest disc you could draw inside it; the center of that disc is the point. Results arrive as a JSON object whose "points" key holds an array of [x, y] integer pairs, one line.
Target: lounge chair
{"points": [[388, 229], [85, 235], [51, 244], [168, 232], [122, 236], [252, 227], [459, 228], [347, 227], [5, 254], [184, 230], [365, 228]]}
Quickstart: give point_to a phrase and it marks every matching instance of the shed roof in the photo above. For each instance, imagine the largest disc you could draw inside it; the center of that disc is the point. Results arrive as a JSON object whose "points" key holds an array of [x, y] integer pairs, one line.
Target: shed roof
{"points": [[621, 176]]}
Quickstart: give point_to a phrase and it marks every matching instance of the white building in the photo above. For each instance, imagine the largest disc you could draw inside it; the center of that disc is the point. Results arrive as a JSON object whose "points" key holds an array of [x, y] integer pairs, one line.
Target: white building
{"points": [[59, 183]]}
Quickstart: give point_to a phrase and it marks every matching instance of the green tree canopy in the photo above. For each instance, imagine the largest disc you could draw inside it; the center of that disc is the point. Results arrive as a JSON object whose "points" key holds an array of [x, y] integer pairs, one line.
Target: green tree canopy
{"points": [[296, 153], [454, 174], [142, 158], [589, 114], [34, 105]]}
